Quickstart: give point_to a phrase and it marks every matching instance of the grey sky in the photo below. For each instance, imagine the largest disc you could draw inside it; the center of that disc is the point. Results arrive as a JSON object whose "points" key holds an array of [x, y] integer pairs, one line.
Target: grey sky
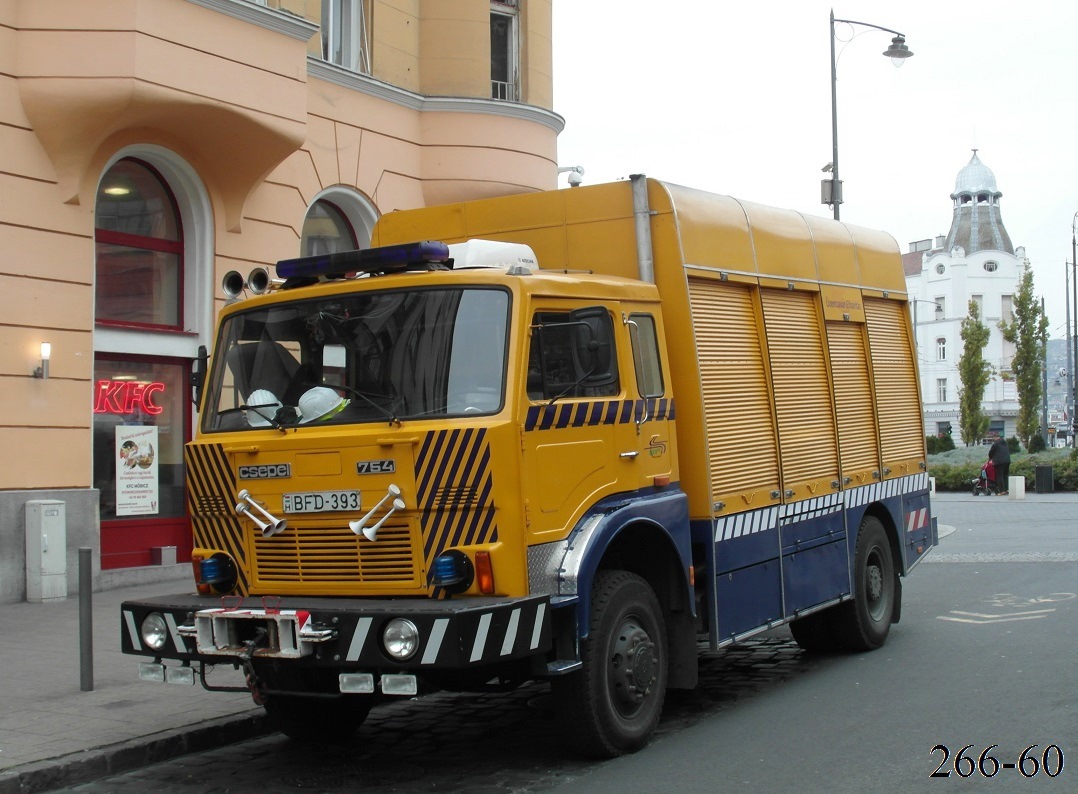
{"points": [[736, 98]]}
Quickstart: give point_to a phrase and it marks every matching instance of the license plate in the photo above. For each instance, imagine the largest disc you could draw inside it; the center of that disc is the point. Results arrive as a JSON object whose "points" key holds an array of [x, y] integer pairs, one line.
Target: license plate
{"points": [[321, 501]]}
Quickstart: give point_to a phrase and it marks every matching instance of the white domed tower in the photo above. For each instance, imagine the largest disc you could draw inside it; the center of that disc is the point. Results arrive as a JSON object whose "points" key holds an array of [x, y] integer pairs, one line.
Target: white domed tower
{"points": [[976, 261], [977, 225]]}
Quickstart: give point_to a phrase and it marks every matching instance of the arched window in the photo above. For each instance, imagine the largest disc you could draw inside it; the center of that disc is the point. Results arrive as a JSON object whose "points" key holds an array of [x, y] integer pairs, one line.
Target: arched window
{"points": [[326, 231], [139, 248], [941, 349]]}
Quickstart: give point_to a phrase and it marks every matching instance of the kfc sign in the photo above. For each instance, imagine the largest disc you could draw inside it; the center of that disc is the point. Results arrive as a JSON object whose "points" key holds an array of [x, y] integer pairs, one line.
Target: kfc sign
{"points": [[127, 397]]}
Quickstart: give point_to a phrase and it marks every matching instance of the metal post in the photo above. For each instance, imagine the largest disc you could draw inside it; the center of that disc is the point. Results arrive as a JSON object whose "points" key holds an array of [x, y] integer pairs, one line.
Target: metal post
{"points": [[1044, 382], [836, 195], [1074, 287], [1068, 396], [86, 620]]}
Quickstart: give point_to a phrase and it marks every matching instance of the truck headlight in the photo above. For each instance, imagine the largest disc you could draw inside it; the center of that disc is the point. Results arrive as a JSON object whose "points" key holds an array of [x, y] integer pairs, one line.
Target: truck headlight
{"points": [[400, 639], [154, 631]]}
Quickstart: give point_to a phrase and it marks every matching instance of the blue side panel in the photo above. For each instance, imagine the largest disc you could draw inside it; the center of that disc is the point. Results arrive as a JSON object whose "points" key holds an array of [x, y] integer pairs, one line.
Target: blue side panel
{"points": [[815, 575], [748, 598]]}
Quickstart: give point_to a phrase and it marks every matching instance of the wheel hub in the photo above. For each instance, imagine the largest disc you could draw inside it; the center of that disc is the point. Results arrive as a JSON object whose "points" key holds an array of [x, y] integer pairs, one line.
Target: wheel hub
{"points": [[874, 583], [632, 664]]}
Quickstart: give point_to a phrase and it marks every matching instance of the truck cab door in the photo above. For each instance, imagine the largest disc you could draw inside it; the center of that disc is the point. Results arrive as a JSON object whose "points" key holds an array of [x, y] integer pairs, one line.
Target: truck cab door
{"points": [[646, 445], [589, 429]]}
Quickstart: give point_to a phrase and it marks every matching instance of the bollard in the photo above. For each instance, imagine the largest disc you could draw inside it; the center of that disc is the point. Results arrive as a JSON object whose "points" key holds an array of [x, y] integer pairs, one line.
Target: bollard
{"points": [[86, 620]]}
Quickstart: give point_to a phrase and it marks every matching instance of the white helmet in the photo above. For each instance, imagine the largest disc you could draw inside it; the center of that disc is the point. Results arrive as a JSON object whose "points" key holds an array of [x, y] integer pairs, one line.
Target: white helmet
{"points": [[262, 406], [320, 402]]}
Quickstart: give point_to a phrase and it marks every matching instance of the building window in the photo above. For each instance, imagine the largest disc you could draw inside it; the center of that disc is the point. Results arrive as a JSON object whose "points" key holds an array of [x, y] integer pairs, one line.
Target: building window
{"points": [[941, 349], [139, 250], [990, 266], [979, 301], [1006, 306], [504, 54], [940, 269], [940, 308], [941, 390], [326, 231], [344, 35], [943, 429]]}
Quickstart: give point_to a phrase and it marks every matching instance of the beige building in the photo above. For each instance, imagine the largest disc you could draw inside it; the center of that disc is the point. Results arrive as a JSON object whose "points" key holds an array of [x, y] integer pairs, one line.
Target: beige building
{"points": [[150, 146]]}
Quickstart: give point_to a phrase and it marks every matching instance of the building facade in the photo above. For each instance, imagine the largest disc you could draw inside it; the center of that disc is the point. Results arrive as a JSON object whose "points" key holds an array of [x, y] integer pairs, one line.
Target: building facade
{"points": [[976, 261], [151, 146]]}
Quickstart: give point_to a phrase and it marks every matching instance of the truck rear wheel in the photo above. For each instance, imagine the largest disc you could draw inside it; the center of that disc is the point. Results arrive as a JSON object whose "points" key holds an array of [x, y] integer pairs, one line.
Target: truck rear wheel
{"points": [[613, 703], [861, 624], [317, 718], [866, 621]]}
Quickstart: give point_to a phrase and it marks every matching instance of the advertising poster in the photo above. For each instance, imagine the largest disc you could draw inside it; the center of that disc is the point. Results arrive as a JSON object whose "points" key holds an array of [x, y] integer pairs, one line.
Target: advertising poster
{"points": [[136, 470]]}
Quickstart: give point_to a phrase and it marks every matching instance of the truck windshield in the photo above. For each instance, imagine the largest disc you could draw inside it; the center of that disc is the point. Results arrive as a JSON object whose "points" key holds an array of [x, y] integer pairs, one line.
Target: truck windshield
{"points": [[367, 357]]}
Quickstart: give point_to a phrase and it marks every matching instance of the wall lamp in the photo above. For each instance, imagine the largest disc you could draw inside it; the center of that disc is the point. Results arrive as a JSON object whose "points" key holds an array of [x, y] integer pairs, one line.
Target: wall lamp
{"points": [[46, 353]]}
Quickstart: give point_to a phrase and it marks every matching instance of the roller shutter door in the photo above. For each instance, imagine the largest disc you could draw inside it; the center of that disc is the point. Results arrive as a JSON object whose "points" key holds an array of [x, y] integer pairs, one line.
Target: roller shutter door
{"points": [[808, 446], [742, 455], [859, 448], [898, 403]]}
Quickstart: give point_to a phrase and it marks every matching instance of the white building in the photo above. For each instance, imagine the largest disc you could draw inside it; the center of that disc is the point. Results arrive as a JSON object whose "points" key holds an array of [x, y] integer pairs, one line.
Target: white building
{"points": [[975, 261]]}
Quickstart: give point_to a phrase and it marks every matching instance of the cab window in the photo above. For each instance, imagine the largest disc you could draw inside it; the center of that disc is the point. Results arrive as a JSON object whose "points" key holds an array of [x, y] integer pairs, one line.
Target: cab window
{"points": [[645, 339], [572, 354]]}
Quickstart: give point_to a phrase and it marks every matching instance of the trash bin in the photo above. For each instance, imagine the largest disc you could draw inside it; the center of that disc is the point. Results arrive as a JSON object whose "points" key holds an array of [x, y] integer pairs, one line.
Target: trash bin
{"points": [[1043, 479]]}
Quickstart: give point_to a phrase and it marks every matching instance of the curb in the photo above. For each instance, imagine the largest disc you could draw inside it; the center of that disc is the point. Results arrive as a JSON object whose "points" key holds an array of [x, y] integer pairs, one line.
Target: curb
{"points": [[115, 759]]}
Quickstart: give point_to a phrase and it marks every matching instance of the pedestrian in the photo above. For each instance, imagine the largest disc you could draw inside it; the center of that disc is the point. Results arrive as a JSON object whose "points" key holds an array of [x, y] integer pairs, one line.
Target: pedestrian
{"points": [[1000, 455]]}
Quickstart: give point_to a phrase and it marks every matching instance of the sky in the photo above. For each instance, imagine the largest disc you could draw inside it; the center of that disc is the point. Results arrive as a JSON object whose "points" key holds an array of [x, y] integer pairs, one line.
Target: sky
{"points": [[735, 98]]}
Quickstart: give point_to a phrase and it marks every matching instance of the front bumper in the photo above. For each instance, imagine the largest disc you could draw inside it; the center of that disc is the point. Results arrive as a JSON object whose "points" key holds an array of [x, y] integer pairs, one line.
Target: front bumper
{"points": [[342, 633]]}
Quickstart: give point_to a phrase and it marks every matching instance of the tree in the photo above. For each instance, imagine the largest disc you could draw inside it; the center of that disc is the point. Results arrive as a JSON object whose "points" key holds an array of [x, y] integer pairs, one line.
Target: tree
{"points": [[1027, 331], [973, 373]]}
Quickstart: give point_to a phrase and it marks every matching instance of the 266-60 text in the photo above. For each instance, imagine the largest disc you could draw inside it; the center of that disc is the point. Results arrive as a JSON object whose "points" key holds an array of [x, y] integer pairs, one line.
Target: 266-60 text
{"points": [[966, 763]]}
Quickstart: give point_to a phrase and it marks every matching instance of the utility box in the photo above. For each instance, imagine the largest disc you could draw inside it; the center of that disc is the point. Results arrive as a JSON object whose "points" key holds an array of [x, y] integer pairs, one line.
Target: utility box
{"points": [[46, 550], [1043, 479]]}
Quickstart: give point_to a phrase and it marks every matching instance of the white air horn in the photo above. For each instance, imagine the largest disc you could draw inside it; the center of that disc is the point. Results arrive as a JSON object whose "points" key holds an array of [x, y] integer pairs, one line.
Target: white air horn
{"points": [[271, 526], [371, 533]]}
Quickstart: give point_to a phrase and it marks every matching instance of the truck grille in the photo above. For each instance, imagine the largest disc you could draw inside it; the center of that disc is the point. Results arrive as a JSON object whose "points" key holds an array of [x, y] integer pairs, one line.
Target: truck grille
{"points": [[335, 556]]}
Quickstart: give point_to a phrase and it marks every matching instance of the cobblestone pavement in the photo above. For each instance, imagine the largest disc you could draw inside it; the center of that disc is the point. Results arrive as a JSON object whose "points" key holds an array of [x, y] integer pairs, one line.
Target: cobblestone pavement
{"points": [[503, 742]]}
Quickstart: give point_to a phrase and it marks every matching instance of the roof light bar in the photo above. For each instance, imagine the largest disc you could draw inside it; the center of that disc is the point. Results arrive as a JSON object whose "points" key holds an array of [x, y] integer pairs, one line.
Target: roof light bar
{"points": [[385, 259]]}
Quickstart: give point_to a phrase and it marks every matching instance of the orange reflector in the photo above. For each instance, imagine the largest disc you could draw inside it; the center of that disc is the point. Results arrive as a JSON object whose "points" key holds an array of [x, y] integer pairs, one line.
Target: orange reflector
{"points": [[484, 572], [920, 549], [692, 575], [196, 569], [661, 480]]}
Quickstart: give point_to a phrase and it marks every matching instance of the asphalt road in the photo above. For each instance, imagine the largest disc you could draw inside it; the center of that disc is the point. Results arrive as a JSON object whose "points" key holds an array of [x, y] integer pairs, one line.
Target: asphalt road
{"points": [[984, 655]]}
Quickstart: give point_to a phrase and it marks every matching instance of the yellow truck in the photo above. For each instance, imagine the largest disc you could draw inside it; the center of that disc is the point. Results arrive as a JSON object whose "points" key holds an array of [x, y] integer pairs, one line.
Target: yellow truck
{"points": [[568, 435]]}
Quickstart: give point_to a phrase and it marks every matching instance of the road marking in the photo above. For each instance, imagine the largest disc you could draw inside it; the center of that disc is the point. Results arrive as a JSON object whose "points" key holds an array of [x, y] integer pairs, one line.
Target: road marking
{"points": [[981, 619]]}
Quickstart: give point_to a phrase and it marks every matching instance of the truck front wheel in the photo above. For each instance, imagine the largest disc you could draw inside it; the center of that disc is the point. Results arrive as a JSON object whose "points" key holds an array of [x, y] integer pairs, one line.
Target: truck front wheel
{"points": [[613, 703]]}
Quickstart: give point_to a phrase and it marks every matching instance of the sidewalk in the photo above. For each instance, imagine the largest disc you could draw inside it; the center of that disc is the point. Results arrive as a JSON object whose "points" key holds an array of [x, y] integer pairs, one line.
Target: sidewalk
{"points": [[52, 734]]}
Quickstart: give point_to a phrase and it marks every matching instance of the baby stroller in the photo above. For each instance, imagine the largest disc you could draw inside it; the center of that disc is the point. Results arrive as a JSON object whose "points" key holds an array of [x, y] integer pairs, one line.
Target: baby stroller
{"points": [[986, 482]]}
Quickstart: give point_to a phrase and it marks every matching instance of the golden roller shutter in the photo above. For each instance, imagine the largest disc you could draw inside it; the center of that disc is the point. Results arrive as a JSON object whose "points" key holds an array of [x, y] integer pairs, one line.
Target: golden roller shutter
{"points": [[859, 448], [808, 445], [898, 403], [742, 455]]}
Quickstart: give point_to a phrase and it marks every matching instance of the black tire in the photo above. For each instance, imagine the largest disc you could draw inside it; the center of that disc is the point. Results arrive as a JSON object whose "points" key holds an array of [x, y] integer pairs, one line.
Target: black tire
{"points": [[320, 719], [612, 705], [866, 620]]}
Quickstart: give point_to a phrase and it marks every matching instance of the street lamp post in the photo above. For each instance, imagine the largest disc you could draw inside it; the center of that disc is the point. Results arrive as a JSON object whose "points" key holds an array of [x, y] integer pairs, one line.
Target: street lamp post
{"points": [[831, 189], [1074, 372]]}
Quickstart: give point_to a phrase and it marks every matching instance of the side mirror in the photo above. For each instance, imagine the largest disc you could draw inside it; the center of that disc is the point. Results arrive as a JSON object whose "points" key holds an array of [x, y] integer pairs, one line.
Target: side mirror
{"points": [[593, 346], [198, 375]]}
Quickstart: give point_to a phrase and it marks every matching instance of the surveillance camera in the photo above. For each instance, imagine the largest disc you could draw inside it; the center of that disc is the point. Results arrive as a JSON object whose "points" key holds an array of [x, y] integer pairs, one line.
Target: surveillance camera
{"points": [[575, 178]]}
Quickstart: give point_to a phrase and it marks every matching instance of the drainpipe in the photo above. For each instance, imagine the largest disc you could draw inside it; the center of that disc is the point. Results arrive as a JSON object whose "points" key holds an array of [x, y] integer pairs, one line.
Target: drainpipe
{"points": [[642, 219]]}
